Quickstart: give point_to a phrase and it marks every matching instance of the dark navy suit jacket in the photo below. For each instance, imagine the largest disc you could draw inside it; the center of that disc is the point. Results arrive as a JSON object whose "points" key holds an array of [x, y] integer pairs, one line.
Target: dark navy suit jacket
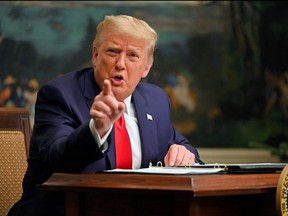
{"points": [[62, 142]]}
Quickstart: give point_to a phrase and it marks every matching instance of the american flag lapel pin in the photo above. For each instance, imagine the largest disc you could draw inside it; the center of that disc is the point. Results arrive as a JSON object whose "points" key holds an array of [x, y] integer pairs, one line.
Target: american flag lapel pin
{"points": [[149, 117]]}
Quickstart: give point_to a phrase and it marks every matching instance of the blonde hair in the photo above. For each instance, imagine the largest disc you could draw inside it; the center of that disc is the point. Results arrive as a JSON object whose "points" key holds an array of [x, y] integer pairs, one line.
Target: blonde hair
{"points": [[124, 24]]}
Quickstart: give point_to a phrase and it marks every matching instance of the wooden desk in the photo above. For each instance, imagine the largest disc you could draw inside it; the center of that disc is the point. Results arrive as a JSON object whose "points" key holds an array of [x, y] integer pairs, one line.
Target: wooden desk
{"points": [[145, 194]]}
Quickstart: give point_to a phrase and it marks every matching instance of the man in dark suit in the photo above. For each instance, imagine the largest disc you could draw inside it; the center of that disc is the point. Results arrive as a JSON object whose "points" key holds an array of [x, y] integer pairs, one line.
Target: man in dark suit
{"points": [[75, 115]]}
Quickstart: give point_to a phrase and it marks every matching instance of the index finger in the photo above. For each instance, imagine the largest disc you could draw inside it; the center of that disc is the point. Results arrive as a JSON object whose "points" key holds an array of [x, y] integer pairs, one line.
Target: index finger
{"points": [[106, 89], [172, 154]]}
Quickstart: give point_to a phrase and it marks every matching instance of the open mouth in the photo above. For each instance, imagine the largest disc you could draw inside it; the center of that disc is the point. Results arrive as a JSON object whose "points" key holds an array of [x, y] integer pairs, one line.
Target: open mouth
{"points": [[118, 78]]}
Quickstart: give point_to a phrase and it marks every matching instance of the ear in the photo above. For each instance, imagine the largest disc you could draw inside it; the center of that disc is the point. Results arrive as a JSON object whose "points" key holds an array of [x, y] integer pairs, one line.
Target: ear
{"points": [[94, 55], [146, 71]]}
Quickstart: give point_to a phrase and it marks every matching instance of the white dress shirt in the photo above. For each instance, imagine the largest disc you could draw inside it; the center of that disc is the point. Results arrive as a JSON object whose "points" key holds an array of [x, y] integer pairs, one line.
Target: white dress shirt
{"points": [[133, 131]]}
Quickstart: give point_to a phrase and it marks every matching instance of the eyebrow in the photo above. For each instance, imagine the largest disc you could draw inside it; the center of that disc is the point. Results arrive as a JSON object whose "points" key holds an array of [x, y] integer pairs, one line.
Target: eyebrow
{"points": [[129, 48]]}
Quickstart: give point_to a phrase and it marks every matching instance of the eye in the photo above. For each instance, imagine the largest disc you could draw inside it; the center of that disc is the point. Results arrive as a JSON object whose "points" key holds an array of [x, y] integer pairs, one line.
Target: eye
{"points": [[112, 52], [133, 55]]}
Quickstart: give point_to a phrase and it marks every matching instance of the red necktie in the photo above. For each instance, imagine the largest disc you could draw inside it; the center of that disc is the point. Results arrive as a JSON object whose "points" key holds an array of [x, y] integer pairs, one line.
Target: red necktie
{"points": [[122, 145]]}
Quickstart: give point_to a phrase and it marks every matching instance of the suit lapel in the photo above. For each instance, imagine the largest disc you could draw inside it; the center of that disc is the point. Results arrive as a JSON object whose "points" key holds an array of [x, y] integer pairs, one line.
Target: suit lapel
{"points": [[147, 128], [89, 87]]}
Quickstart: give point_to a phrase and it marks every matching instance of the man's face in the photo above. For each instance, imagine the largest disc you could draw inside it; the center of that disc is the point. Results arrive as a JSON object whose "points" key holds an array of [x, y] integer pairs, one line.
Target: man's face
{"points": [[123, 60]]}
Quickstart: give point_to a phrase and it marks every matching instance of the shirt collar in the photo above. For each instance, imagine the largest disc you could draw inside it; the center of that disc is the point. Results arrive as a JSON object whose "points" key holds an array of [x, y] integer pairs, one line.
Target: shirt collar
{"points": [[127, 102]]}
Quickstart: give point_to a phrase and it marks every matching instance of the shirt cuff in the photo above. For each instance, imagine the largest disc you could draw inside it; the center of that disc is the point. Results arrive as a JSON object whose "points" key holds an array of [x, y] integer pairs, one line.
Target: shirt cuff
{"points": [[99, 141]]}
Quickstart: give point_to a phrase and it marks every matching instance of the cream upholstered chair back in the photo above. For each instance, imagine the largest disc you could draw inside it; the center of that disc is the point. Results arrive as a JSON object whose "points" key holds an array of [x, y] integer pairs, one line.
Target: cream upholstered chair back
{"points": [[15, 132]]}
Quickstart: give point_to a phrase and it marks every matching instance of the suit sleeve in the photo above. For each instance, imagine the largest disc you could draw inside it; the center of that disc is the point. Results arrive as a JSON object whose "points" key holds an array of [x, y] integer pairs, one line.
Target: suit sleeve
{"points": [[62, 137], [178, 138]]}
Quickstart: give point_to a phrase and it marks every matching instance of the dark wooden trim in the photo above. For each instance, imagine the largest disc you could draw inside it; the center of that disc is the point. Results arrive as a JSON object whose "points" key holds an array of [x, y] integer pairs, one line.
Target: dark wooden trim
{"points": [[16, 119]]}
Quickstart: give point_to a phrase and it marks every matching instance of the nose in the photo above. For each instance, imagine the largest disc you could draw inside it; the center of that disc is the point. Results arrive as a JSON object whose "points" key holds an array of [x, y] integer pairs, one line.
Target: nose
{"points": [[120, 61]]}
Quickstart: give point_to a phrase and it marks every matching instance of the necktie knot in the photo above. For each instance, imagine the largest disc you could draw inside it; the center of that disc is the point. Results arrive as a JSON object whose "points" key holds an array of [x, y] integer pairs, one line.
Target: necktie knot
{"points": [[120, 121]]}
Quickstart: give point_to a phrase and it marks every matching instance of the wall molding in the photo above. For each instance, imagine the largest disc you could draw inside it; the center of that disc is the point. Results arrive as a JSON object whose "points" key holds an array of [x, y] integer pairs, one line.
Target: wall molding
{"points": [[237, 155]]}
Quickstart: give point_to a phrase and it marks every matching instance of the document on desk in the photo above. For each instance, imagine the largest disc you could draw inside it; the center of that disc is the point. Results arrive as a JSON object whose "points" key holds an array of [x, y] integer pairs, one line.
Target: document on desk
{"points": [[207, 169], [170, 170]]}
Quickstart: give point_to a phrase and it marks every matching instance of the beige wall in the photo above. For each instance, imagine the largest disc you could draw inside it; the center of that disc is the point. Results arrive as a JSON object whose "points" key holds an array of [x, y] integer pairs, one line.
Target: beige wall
{"points": [[236, 155]]}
